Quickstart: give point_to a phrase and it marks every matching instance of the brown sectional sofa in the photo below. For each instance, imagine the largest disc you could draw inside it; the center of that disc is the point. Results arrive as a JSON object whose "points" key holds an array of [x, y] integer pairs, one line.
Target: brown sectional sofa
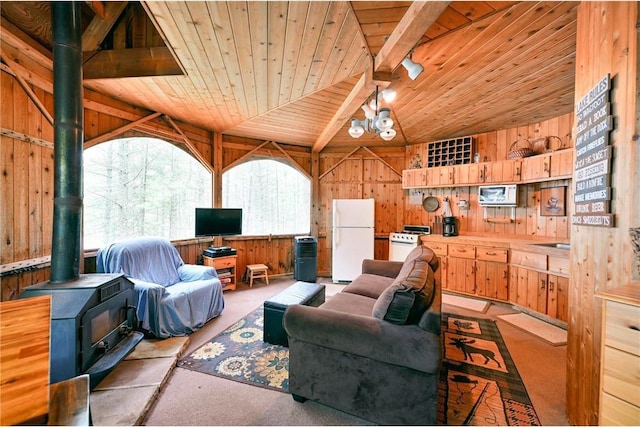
{"points": [[374, 349]]}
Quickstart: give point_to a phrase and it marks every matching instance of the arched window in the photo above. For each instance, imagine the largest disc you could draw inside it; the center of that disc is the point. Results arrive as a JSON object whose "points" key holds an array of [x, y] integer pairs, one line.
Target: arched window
{"points": [[141, 187], [275, 198]]}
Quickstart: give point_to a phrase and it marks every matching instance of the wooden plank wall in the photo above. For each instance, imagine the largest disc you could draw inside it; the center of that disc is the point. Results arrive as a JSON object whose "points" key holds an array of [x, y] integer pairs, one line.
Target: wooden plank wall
{"points": [[360, 174], [494, 146], [342, 173], [601, 257]]}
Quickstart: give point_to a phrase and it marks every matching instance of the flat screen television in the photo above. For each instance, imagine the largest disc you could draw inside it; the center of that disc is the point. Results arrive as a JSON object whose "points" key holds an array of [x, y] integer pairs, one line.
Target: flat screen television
{"points": [[218, 221]]}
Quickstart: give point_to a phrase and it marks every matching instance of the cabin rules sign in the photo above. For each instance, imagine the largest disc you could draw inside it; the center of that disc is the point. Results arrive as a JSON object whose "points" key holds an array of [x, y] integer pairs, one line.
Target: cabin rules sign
{"points": [[592, 174]]}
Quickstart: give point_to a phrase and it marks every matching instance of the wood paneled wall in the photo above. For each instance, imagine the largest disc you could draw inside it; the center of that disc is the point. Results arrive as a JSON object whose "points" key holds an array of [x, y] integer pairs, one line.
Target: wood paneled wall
{"points": [[27, 159], [494, 146], [601, 257]]}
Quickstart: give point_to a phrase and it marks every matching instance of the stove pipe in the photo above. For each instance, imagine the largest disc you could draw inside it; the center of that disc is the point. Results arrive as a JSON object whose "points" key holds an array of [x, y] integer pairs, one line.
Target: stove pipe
{"points": [[68, 139]]}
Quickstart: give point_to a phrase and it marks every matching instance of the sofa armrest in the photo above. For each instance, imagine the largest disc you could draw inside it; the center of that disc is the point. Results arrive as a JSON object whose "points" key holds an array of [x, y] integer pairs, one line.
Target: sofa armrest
{"points": [[148, 298], [402, 345], [382, 267], [192, 272]]}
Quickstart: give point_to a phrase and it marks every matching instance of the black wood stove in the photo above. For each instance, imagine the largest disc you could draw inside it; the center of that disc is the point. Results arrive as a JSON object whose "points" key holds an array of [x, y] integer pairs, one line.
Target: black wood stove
{"points": [[92, 321]]}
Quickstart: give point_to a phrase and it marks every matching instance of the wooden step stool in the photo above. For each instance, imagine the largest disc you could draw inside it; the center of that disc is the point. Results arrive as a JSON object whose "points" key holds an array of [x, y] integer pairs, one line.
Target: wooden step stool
{"points": [[257, 271]]}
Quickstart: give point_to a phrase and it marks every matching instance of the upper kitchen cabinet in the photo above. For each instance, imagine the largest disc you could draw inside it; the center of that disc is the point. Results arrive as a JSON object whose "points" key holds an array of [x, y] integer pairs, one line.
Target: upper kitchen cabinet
{"points": [[543, 167]]}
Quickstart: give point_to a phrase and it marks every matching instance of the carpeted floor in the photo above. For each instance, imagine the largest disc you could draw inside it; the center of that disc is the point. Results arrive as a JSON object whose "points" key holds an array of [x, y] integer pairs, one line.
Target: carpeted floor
{"points": [[479, 382], [194, 398]]}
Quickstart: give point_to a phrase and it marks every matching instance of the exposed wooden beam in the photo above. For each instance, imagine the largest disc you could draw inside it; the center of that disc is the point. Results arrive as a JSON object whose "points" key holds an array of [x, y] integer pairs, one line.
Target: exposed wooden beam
{"points": [[380, 159], [118, 131], [26, 138], [97, 7], [411, 28], [291, 159], [11, 33], [242, 159], [362, 89], [192, 147], [100, 25], [30, 93], [138, 62], [328, 171]]}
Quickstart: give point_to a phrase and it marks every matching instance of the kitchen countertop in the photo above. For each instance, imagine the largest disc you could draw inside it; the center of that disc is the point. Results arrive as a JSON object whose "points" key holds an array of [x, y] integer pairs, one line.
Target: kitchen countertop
{"points": [[517, 242]]}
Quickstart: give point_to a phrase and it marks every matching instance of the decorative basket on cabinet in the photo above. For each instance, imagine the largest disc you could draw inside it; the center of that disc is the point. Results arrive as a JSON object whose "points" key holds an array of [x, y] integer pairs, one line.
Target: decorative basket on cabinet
{"points": [[519, 149]]}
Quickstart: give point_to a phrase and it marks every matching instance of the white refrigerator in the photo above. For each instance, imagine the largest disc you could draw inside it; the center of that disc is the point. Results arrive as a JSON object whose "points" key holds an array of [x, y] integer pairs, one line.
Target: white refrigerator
{"points": [[353, 237]]}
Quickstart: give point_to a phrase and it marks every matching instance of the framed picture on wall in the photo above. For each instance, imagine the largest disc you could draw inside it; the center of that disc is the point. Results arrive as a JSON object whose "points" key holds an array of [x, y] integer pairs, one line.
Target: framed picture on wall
{"points": [[552, 201]]}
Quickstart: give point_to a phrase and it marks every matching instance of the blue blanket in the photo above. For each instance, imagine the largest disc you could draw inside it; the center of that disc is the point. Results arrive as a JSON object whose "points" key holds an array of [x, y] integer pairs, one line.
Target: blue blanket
{"points": [[173, 298]]}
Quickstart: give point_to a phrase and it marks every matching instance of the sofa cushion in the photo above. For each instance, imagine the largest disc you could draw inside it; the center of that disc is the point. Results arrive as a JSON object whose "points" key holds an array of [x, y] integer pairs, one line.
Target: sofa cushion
{"points": [[404, 301], [369, 285], [419, 252], [346, 302], [407, 298]]}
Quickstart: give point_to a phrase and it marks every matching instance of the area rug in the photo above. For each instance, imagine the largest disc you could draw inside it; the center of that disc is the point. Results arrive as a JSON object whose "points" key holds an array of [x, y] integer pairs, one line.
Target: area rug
{"points": [[240, 354], [468, 303], [547, 332], [479, 383]]}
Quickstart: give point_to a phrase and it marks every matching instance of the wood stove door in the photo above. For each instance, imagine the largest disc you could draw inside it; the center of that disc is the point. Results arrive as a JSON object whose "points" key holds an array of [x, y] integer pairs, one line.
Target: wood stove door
{"points": [[105, 325]]}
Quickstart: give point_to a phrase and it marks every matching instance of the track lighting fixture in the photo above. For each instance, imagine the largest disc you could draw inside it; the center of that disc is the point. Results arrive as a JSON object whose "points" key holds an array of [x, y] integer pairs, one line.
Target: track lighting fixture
{"points": [[413, 68]]}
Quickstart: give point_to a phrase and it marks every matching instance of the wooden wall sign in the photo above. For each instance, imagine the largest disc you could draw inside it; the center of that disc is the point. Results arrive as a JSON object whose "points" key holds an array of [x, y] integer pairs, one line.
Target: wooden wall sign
{"points": [[592, 198]]}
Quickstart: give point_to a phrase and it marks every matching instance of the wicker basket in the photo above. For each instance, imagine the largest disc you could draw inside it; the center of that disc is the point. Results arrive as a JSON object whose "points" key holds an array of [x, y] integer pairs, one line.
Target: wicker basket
{"points": [[518, 150], [540, 145], [556, 143]]}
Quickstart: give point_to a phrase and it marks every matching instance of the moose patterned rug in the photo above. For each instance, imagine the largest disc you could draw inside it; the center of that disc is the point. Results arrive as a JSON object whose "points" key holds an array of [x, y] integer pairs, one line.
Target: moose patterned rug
{"points": [[479, 383]]}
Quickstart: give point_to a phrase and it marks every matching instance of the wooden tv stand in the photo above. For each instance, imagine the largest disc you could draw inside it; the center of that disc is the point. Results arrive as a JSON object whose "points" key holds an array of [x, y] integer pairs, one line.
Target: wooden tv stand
{"points": [[226, 268]]}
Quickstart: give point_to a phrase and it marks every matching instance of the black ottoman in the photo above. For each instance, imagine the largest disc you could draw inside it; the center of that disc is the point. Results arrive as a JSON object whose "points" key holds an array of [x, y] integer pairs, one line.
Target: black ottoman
{"points": [[311, 294]]}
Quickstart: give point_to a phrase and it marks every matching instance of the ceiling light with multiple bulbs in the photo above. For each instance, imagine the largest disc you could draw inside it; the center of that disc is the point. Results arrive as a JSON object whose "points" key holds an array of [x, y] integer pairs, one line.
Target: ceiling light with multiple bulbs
{"points": [[377, 119]]}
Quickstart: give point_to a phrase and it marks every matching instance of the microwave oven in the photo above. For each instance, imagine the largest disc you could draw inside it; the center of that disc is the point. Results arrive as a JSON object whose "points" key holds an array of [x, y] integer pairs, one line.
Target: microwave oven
{"points": [[497, 195]]}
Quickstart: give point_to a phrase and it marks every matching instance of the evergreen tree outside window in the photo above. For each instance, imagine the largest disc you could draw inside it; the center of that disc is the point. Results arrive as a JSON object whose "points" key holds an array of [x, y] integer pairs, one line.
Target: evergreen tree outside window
{"points": [[141, 186], [275, 198]]}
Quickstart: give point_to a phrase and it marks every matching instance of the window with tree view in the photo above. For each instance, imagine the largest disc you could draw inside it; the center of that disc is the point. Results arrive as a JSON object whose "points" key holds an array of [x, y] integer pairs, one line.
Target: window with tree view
{"points": [[275, 198], [141, 187]]}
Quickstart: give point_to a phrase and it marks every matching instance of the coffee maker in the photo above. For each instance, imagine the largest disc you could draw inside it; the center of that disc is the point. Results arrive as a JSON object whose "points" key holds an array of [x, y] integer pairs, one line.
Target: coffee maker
{"points": [[450, 227]]}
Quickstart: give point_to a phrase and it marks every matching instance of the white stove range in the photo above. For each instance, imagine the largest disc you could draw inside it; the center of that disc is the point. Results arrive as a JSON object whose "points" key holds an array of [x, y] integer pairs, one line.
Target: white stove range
{"points": [[403, 242]]}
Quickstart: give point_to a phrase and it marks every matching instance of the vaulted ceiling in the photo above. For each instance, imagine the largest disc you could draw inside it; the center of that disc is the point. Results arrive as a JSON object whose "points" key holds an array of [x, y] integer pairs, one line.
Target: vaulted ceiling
{"points": [[297, 72]]}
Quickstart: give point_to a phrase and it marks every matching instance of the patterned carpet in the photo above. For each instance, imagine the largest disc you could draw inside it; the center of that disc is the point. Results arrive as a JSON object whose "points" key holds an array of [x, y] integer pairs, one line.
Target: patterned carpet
{"points": [[479, 383]]}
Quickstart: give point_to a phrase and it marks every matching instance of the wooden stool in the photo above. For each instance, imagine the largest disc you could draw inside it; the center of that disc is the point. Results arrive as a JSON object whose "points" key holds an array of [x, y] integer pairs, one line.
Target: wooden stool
{"points": [[257, 271]]}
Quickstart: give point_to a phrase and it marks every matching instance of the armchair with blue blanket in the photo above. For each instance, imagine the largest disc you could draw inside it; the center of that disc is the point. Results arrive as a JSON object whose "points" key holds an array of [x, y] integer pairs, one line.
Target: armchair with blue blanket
{"points": [[173, 298]]}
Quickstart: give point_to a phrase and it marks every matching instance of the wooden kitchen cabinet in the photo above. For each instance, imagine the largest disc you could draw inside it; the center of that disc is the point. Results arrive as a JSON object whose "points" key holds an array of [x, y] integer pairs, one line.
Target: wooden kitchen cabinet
{"points": [[414, 178], [536, 167], [492, 273], [543, 167], [562, 164], [440, 249], [532, 284], [558, 297], [620, 366], [478, 270], [492, 280]]}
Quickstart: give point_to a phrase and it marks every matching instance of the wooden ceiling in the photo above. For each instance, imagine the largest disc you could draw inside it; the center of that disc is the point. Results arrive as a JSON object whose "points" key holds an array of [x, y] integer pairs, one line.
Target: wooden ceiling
{"points": [[297, 72]]}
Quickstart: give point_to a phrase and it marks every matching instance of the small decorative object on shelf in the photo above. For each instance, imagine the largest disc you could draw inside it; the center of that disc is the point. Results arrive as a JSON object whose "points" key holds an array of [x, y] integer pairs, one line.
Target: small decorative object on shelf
{"points": [[416, 162], [635, 245], [520, 149]]}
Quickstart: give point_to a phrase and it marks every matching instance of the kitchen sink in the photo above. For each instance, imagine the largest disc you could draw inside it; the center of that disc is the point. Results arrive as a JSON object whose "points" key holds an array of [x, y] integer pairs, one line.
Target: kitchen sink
{"points": [[565, 246]]}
